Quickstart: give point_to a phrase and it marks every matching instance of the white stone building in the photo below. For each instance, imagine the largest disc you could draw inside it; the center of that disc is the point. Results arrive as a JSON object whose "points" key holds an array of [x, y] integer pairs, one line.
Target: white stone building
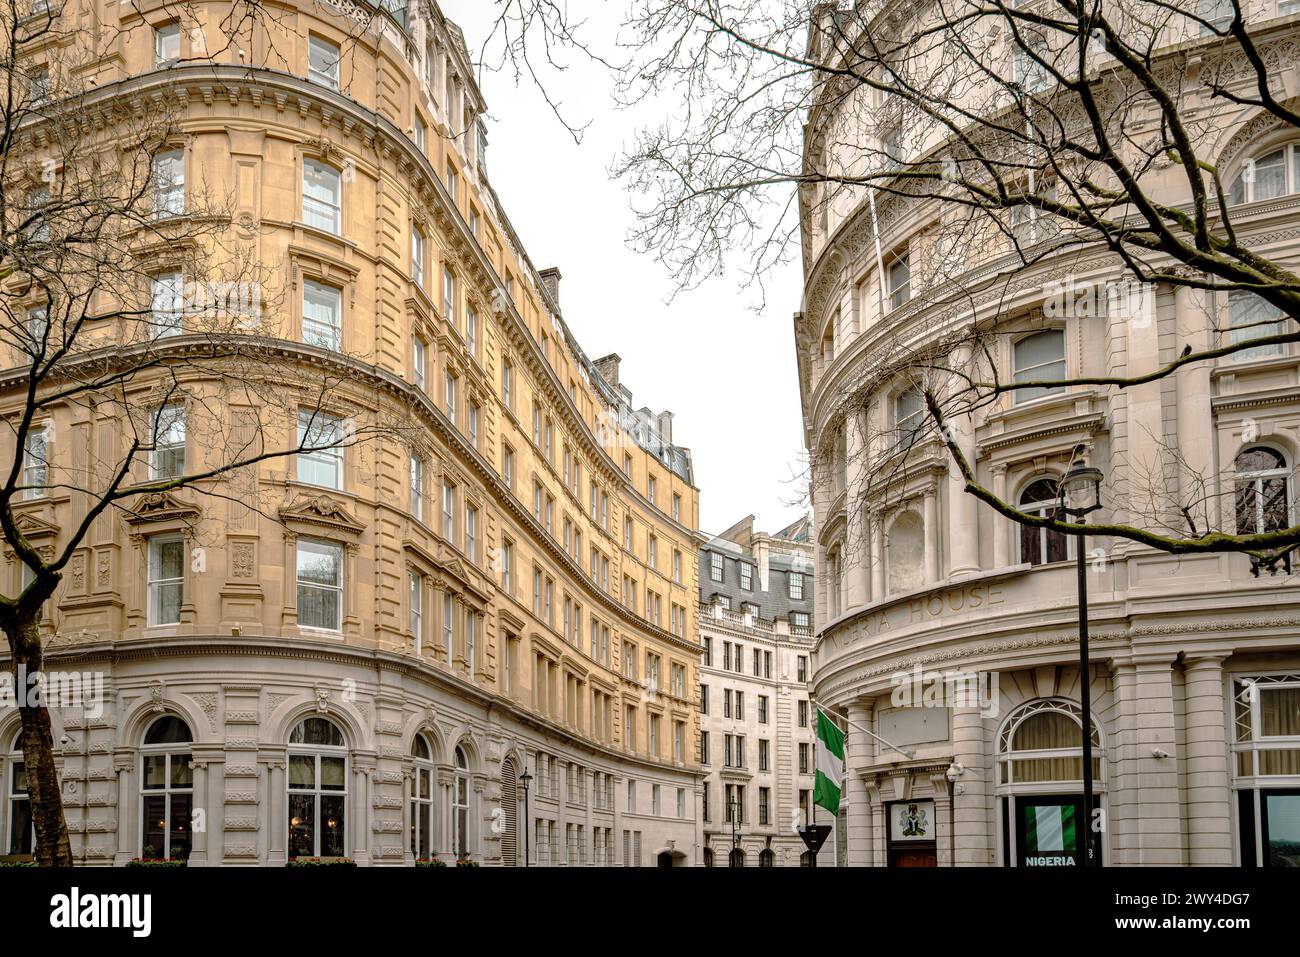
{"points": [[1195, 666], [756, 719]]}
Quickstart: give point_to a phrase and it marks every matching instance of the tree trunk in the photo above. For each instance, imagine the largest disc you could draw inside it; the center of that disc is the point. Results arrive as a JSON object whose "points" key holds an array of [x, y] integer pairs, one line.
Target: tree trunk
{"points": [[53, 847]]}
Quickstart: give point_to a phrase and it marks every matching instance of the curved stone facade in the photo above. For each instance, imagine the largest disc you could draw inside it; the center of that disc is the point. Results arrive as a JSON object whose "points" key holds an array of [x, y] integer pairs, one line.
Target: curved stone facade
{"points": [[1193, 658], [456, 594]]}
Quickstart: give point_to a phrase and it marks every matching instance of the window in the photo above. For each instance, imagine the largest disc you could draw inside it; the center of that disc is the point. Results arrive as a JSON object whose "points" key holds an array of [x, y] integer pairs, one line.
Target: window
{"points": [[627, 534], [453, 183], [35, 464], [650, 490], [1274, 174], [746, 576], [794, 585], [1263, 491], [416, 602], [448, 624], [323, 62], [900, 281], [652, 551], [1039, 546], [471, 532], [450, 388], [799, 619], [417, 256], [763, 802], [1040, 742], [704, 748], [169, 183], [417, 362], [422, 819], [909, 408], [508, 466], [165, 304], [460, 807], [320, 585], [715, 567], [507, 385], [20, 837], [449, 295], [167, 460], [677, 507], [1219, 13], [166, 579], [322, 198], [322, 311], [803, 714], [449, 512], [762, 709], [1039, 358], [417, 488], [1267, 740], [803, 669], [318, 789], [421, 134], [474, 411], [166, 791], [627, 464], [1252, 317], [471, 330], [320, 461], [166, 44], [764, 754], [677, 566], [508, 567]]}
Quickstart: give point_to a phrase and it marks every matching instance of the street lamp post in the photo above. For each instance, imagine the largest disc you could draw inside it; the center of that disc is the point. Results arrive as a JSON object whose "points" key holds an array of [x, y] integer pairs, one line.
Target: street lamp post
{"points": [[526, 779], [1081, 494], [732, 807]]}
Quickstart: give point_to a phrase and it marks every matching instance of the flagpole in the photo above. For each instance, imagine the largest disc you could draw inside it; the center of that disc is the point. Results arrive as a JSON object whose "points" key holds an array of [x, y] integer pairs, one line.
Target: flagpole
{"points": [[867, 731]]}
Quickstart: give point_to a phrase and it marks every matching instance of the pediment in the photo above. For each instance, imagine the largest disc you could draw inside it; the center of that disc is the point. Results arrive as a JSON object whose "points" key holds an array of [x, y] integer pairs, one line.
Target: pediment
{"points": [[34, 527], [320, 512], [161, 507]]}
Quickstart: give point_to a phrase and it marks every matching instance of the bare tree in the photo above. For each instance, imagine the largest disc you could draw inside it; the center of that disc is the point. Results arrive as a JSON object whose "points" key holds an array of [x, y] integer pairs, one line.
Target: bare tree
{"points": [[132, 300]]}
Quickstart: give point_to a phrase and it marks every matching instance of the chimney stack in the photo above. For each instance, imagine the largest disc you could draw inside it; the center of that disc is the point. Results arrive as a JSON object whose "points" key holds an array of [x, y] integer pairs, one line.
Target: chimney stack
{"points": [[608, 369], [551, 282], [666, 427]]}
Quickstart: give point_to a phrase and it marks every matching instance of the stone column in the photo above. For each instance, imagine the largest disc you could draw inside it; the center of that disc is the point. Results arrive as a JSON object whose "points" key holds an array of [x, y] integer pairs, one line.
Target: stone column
{"points": [[854, 557], [943, 842], [859, 752], [931, 534], [1208, 793], [199, 834], [970, 816], [877, 556], [1196, 440], [963, 509], [127, 816], [1144, 817], [277, 828], [1000, 525], [408, 785]]}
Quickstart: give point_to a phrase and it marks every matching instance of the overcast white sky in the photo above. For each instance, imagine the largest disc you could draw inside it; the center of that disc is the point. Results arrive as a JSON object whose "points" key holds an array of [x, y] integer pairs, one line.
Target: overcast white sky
{"points": [[733, 388]]}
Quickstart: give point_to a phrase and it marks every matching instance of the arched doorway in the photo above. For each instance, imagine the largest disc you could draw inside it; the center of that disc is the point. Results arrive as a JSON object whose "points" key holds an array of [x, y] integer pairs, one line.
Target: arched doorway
{"points": [[665, 859], [766, 858], [509, 814], [708, 857], [736, 858]]}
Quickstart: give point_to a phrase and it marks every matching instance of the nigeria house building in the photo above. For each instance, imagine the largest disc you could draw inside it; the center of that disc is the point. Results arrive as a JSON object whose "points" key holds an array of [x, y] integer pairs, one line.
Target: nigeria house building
{"points": [[375, 645], [1195, 668]]}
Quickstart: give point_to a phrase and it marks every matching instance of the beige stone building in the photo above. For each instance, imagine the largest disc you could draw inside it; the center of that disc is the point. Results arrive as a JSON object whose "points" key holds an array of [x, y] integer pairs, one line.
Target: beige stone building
{"points": [[1195, 677], [357, 652], [756, 720]]}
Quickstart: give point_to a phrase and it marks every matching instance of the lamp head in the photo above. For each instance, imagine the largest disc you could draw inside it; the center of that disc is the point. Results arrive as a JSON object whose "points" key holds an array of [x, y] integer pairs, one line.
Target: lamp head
{"points": [[1081, 490]]}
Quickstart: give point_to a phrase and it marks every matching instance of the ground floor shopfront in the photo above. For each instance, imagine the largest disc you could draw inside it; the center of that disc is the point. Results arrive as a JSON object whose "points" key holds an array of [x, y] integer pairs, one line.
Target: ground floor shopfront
{"points": [[263, 752], [976, 711]]}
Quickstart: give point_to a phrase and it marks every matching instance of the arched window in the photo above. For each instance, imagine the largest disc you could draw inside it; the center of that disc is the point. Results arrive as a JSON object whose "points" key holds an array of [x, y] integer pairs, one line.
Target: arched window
{"points": [[1039, 358], [166, 790], [1039, 546], [905, 553], [318, 789], [766, 858], [833, 594], [422, 800], [19, 834], [1267, 176], [708, 857], [736, 858], [806, 859], [1263, 490], [510, 814], [460, 807], [1043, 741]]}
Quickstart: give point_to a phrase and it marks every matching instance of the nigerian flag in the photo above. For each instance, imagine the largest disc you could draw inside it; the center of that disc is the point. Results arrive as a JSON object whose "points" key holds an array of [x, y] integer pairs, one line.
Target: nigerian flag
{"points": [[830, 763]]}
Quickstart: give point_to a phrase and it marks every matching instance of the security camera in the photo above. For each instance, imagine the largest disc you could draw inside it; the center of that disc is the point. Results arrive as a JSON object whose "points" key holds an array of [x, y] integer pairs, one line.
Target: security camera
{"points": [[1159, 753]]}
